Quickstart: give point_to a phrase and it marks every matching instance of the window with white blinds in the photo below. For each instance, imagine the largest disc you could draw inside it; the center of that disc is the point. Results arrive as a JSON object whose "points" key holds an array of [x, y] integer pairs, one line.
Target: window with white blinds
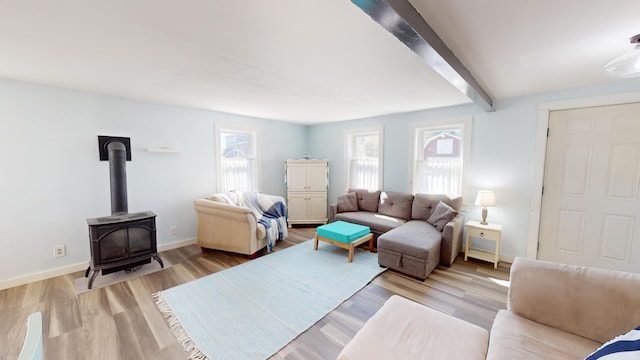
{"points": [[439, 153], [363, 158], [237, 159]]}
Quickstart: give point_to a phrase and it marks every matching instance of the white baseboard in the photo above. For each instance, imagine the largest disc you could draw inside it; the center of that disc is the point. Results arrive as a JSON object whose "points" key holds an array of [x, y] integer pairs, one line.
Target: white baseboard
{"points": [[507, 259], [64, 270], [501, 258], [177, 244], [43, 275]]}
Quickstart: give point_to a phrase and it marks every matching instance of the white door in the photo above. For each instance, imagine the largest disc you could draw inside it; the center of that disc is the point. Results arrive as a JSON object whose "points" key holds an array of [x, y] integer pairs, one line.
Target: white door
{"points": [[590, 206]]}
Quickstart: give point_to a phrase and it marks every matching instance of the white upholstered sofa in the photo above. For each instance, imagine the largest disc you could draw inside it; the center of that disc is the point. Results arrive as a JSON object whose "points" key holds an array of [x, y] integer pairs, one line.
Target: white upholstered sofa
{"points": [[225, 226], [555, 311]]}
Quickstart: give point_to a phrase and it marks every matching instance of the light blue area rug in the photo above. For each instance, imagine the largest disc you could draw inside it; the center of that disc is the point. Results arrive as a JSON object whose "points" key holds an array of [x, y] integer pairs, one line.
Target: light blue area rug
{"points": [[252, 310]]}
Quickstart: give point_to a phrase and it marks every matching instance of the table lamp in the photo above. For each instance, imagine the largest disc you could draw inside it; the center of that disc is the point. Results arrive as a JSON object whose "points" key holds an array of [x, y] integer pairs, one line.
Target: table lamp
{"points": [[485, 198]]}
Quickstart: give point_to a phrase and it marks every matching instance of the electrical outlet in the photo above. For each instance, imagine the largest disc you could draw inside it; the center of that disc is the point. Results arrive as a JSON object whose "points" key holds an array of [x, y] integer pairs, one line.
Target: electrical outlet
{"points": [[59, 251], [173, 230]]}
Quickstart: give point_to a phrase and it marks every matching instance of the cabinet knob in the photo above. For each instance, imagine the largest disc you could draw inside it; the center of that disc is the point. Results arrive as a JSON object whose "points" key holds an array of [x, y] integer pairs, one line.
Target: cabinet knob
{"points": [[482, 234]]}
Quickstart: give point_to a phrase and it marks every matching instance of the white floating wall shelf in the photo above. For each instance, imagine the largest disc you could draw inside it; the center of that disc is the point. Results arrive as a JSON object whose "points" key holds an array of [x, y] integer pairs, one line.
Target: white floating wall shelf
{"points": [[163, 149]]}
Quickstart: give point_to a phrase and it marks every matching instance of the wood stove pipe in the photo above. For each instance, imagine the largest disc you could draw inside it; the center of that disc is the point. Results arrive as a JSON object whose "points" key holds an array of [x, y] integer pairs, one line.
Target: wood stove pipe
{"points": [[118, 177]]}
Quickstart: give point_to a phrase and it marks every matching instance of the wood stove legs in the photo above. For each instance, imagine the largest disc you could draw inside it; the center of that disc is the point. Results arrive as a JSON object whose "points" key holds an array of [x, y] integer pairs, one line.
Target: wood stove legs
{"points": [[94, 272], [94, 275], [159, 260]]}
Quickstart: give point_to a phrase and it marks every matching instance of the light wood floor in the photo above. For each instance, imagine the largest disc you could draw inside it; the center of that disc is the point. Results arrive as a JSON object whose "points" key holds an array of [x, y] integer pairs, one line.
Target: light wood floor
{"points": [[121, 321]]}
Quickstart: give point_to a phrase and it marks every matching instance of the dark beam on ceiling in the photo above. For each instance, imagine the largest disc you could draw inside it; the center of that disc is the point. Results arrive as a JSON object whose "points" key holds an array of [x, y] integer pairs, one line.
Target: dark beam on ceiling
{"points": [[402, 20]]}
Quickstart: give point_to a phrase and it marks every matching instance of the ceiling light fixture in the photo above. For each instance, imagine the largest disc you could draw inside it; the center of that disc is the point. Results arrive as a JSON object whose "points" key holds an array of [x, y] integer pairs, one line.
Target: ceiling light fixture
{"points": [[627, 65]]}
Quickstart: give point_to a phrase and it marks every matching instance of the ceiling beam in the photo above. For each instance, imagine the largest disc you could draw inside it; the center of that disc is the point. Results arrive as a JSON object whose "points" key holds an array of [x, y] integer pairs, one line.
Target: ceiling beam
{"points": [[404, 22]]}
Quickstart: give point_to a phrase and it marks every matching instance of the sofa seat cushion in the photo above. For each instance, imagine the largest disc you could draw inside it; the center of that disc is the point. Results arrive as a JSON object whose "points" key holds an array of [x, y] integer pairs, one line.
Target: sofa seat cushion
{"points": [[377, 222], [403, 329], [415, 238], [514, 337]]}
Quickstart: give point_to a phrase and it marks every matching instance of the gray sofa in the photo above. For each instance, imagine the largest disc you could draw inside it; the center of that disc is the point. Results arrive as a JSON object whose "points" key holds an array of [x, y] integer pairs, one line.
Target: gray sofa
{"points": [[413, 233]]}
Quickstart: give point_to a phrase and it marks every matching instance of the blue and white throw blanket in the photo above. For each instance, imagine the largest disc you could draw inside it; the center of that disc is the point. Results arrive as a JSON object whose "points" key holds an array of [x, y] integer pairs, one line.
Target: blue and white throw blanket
{"points": [[270, 211]]}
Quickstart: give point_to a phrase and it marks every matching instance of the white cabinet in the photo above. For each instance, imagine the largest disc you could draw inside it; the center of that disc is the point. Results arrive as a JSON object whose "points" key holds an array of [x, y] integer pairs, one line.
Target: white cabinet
{"points": [[307, 182]]}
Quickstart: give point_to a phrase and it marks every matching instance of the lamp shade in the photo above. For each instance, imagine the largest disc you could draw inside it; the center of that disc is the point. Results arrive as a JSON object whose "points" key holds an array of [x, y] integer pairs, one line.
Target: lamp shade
{"points": [[485, 198]]}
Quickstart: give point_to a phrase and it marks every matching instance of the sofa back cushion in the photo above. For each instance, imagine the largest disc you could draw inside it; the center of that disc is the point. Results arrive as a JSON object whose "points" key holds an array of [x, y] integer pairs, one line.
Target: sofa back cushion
{"points": [[396, 204], [347, 203], [424, 204], [367, 200], [590, 302]]}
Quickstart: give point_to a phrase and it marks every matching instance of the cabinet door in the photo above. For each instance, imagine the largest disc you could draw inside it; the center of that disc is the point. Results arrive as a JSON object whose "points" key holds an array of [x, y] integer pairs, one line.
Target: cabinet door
{"points": [[317, 177], [297, 206], [317, 207], [296, 177]]}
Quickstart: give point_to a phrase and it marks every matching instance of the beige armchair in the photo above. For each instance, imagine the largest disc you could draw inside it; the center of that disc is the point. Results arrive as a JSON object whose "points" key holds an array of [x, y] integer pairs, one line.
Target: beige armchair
{"points": [[227, 227]]}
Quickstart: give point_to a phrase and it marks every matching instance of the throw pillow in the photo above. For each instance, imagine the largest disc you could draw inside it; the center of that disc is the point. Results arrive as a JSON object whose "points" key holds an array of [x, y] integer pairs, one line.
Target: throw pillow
{"points": [[442, 214], [626, 346], [367, 200], [347, 202]]}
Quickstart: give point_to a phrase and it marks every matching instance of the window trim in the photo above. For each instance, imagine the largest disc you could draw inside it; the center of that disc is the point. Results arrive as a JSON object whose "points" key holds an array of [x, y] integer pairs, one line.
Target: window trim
{"points": [[349, 135], [255, 135], [466, 124]]}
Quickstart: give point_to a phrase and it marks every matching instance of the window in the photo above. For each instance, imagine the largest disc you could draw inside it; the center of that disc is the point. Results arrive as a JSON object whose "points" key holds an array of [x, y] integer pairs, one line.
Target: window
{"points": [[439, 151], [237, 159], [363, 159]]}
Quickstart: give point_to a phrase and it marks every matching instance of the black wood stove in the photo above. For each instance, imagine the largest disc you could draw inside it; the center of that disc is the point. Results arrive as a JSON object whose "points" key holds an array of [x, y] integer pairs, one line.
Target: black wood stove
{"points": [[121, 241]]}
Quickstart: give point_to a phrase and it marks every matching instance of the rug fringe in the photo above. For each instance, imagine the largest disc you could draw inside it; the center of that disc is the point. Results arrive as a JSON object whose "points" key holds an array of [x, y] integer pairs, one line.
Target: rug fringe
{"points": [[178, 331]]}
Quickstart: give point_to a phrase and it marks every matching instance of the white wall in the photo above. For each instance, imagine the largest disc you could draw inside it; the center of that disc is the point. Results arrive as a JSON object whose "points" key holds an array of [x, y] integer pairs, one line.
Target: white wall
{"points": [[502, 154], [52, 180]]}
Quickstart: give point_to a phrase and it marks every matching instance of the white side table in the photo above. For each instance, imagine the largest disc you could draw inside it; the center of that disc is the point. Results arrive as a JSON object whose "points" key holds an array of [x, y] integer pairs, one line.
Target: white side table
{"points": [[488, 232]]}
